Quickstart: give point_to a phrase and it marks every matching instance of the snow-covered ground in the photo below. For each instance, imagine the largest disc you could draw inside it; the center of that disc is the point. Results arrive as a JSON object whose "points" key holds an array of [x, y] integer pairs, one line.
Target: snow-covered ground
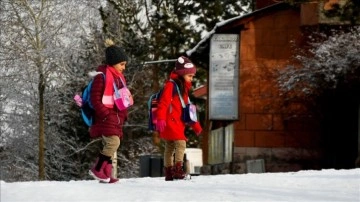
{"points": [[325, 185]]}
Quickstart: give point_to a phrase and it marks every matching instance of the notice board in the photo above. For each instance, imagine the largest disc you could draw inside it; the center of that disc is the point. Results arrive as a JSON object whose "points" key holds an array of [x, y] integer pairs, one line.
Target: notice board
{"points": [[224, 77]]}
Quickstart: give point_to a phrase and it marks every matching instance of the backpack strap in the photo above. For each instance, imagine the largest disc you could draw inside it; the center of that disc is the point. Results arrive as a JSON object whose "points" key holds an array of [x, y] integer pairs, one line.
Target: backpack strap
{"points": [[124, 85], [175, 90], [181, 99]]}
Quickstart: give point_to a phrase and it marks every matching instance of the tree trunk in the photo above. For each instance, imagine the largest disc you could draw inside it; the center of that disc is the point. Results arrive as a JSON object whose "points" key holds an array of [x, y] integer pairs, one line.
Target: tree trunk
{"points": [[41, 88]]}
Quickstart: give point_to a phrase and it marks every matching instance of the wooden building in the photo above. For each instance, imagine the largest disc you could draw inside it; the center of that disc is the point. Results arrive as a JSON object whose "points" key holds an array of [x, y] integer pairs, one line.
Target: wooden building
{"points": [[265, 134]]}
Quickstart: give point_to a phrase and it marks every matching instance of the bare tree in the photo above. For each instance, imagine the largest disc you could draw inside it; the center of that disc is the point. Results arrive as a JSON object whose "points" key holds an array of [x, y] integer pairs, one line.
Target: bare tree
{"points": [[37, 38]]}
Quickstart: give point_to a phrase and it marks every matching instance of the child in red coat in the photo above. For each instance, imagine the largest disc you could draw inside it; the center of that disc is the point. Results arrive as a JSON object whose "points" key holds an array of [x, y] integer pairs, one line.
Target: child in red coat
{"points": [[169, 124]]}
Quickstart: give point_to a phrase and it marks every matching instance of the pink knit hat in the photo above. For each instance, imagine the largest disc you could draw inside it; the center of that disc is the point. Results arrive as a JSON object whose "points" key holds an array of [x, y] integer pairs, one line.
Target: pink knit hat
{"points": [[184, 66]]}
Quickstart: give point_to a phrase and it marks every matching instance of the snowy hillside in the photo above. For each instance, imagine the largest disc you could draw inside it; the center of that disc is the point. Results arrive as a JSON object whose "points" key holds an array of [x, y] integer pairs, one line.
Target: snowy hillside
{"points": [[325, 185]]}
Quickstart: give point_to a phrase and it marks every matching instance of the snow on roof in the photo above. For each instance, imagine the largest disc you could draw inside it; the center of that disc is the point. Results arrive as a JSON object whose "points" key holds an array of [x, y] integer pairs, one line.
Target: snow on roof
{"points": [[222, 23], [208, 35]]}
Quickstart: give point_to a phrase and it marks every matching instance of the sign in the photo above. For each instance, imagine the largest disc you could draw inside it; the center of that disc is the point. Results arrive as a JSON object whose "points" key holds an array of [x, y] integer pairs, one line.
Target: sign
{"points": [[224, 77]]}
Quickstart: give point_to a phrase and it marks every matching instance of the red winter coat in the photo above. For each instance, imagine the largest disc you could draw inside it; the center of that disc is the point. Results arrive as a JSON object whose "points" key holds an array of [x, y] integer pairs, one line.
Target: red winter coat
{"points": [[107, 121], [170, 110]]}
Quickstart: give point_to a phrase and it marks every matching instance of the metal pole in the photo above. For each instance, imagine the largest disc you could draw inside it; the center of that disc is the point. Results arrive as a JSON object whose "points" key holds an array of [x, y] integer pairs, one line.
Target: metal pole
{"points": [[159, 61]]}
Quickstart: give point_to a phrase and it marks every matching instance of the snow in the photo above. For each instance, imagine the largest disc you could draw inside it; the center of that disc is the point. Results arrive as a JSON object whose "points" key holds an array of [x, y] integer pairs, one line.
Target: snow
{"points": [[205, 36], [310, 185]]}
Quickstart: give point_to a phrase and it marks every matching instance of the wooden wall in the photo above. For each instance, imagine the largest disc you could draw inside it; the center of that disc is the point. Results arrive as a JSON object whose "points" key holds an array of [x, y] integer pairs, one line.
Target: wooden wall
{"points": [[267, 129]]}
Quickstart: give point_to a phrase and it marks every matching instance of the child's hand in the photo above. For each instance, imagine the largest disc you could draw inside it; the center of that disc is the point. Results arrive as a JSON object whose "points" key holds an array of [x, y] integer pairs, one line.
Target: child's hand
{"points": [[160, 125], [197, 128]]}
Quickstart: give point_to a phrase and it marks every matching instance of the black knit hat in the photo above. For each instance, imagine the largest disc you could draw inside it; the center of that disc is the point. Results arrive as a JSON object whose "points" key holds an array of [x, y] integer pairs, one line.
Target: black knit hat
{"points": [[184, 66], [114, 54]]}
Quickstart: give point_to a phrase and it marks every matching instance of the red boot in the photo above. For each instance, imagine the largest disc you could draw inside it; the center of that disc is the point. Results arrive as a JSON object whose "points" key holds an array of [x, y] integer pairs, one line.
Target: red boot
{"points": [[179, 174], [169, 172], [97, 171], [108, 170]]}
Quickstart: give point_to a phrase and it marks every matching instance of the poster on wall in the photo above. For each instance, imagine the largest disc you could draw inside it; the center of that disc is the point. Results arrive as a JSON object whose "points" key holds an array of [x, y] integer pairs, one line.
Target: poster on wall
{"points": [[224, 77]]}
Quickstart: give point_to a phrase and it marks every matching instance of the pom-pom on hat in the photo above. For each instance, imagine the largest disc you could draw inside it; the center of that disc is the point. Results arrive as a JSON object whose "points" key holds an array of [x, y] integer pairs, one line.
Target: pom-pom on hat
{"points": [[114, 54], [184, 66]]}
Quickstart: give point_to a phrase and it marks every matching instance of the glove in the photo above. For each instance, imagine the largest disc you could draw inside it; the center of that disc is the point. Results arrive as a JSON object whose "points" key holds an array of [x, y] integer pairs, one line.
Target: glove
{"points": [[160, 125], [196, 128]]}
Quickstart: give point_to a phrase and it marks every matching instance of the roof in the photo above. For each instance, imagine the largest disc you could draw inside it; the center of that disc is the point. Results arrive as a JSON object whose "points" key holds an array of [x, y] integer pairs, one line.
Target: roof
{"points": [[227, 22], [200, 92]]}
